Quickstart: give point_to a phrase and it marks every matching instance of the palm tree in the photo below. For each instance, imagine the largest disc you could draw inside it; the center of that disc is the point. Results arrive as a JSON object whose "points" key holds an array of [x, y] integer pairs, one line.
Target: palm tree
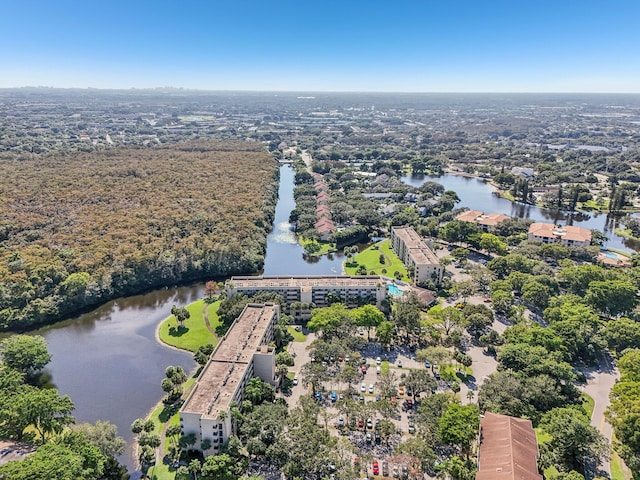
{"points": [[194, 467], [253, 391]]}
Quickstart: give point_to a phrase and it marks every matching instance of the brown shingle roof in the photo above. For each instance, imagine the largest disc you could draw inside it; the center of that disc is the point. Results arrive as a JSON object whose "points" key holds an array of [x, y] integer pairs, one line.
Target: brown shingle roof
{"points": [[508, 449]]}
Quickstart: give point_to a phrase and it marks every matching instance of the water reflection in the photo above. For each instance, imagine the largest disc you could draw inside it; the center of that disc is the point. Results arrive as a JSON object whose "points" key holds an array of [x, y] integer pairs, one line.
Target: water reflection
{"points": [[477, 194]]}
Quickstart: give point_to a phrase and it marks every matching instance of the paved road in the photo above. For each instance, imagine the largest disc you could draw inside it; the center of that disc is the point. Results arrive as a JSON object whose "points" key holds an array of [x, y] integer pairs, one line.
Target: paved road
{"points": [[600, 380]]}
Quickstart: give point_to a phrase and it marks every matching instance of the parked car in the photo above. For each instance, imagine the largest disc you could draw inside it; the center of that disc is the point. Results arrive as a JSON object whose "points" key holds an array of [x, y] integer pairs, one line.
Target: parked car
{"points": [[412, 428], [400, 390], [399, 363], [360, 423], [371, 388], [363, 387], [394, 472], [376, 468], [369, 437], [340, 421], [378, 370], [295, 380], [378, 360], [369, 424], [427, 364], [334, 396], [385, 468]]}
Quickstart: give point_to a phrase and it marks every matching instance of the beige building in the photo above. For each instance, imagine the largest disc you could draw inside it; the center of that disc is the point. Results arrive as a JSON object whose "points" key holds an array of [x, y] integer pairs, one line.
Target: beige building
{"points": [[485, 221], [243, 353], [567, 235], [416, 254], [313, 289]]}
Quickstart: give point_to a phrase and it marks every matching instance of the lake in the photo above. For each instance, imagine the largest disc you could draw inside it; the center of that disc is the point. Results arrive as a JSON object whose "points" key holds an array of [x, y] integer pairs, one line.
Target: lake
{"points": [[109, 361], [477, 194]]}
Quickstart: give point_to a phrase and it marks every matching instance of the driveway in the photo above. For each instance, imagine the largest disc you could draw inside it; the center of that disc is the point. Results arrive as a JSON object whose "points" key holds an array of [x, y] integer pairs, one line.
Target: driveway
{"points": [[600, 380]]}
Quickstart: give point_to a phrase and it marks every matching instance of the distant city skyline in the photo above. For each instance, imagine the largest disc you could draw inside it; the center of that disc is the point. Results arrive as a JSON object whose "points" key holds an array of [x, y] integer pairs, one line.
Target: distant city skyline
{"points": [[401, 46]]}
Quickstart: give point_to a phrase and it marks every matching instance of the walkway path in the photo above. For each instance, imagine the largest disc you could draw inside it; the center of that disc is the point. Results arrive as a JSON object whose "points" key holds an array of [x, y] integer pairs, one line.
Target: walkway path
{"points": [[600, 380], [207, 323]]}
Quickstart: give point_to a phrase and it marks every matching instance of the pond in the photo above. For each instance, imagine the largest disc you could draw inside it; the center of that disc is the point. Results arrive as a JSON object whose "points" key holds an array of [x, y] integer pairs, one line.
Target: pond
{"points": [[109, 361], [477, 194]]}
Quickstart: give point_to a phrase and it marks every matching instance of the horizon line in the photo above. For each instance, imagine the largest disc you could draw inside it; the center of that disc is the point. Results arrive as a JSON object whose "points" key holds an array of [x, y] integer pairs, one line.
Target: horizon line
{"points": [[201, 90]]}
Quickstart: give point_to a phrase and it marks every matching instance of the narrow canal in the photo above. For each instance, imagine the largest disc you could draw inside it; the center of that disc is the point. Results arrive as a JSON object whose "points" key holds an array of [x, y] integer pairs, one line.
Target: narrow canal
{"points": [[110, 362]]}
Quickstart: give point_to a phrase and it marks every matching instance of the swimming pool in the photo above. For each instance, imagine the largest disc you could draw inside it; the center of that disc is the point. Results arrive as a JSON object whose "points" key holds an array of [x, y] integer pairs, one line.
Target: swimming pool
{"points": [[393, 289], [610, 255]]}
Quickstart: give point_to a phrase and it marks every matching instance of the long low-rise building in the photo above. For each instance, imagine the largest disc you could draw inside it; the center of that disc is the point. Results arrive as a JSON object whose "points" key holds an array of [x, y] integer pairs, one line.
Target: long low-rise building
{"points": [[567, 235], [416, 254], [314, 289], [242, 354], [485, 221]]}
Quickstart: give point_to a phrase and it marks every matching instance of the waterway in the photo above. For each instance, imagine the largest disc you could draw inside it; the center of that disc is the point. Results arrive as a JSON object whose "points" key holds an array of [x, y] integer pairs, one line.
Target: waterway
{"points": [[109, 361], [477, 194]]}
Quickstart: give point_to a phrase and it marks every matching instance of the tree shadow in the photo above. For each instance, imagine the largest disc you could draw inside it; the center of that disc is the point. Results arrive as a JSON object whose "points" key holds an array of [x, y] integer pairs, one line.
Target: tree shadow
{"points": [[178, 331], [167, 412]]}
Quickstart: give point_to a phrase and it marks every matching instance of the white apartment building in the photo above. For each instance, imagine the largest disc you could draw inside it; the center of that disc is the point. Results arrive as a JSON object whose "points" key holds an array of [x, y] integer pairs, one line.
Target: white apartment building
{"points": [[313, 289], [567, 235], [243, 353], [416, 254]]}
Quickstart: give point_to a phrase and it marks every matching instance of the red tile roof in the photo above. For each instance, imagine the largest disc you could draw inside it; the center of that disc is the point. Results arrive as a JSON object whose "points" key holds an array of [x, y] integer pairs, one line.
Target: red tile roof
{"points": [[508, 449]]}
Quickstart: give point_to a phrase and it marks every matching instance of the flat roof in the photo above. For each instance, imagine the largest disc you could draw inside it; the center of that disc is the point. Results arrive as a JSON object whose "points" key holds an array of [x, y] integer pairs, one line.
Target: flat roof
{"points": [[282, 281], [222, 374], [418, 248]]}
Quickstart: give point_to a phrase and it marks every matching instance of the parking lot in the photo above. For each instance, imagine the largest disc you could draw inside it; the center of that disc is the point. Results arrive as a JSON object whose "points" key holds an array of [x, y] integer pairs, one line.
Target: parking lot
{"points": [[380, 450]]}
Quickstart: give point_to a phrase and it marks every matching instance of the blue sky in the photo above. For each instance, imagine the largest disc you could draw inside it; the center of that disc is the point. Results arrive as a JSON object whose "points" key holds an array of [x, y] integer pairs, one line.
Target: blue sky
{"points": [[348, 45]]}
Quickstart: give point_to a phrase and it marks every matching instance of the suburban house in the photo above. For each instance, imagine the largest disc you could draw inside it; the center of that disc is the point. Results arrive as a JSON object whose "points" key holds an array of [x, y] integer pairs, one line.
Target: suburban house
{"points": [[508, 449], [416, 255], [484, 221], [242, 354], [567, 235], [523, 172]]}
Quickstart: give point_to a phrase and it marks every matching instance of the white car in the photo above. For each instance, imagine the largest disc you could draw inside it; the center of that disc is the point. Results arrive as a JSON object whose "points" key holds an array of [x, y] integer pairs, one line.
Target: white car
{"points": [[371, 388], [378, 370], [363, 387], [295, 380], [378, 360]]}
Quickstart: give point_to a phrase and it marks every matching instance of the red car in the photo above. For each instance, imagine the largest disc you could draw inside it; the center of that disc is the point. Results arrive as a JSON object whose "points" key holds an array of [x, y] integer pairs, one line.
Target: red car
{"points": [[360, 423], [376, 469]]}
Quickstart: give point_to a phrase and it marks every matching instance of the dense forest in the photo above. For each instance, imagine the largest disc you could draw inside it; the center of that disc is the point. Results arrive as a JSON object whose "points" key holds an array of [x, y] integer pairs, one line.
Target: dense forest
{"points": [[82, 228]]}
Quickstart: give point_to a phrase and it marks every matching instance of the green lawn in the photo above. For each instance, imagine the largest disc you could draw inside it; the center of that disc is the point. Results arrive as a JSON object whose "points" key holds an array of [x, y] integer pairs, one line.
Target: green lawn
{"points": [[194, 333], [370, 258], [384, 366], [593, 205], [626, 233], [325, 247], [297, 336], [588, 404], [617, 468]]}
